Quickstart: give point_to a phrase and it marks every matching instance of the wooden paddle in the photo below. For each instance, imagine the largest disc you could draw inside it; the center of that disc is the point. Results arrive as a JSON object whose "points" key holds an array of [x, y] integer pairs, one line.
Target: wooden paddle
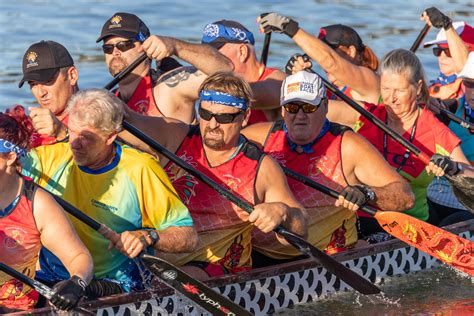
{"points": [[356, 281], [437, 242], [462, 184], [38, 286], [169, 274], [266, 48]]}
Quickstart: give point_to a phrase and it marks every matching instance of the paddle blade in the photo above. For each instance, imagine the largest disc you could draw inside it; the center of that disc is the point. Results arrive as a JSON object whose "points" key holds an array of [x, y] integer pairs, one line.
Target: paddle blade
{"points": [[437, 242], [193, 289], [356, 281], [463, 189]]}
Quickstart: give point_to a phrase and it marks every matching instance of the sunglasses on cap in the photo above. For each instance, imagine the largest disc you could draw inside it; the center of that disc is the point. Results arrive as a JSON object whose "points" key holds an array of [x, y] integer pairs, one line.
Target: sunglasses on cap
{"points": [[437, 51], [294, 107], [122, 46], [224, 118]]}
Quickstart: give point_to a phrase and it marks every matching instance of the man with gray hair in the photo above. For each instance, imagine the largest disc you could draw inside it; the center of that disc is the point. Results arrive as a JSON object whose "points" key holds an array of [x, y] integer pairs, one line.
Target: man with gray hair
{"points": [[330, 154], [118, 186]]}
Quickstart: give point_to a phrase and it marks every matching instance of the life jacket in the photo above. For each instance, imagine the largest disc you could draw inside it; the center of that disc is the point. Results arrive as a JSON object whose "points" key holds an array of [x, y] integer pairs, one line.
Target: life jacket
{"points": [[21, 243], [447, 91], [258, 116], [224, 233], [330, 228]]}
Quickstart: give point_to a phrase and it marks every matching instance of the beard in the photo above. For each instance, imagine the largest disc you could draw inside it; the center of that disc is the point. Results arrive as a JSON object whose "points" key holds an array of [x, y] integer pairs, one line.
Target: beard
{"points": [[214, 143], [116, 65]]}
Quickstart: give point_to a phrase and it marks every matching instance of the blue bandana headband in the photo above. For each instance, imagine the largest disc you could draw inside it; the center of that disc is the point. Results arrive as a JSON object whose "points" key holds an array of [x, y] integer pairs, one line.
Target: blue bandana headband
{"points": [[7, 147], [213, 32], [224, 99]]}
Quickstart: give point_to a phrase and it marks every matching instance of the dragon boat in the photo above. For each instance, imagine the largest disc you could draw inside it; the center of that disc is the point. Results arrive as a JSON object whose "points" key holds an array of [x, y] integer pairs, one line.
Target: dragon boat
{"points": [[271, 289]]}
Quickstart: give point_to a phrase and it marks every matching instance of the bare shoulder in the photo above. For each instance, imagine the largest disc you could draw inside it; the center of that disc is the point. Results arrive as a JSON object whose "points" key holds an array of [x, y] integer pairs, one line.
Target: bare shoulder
{"points": [[355, 144], [175, 76], [257, 133]]}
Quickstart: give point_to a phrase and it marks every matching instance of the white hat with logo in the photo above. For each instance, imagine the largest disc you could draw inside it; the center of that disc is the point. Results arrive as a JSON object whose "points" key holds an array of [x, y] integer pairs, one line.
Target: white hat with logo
{"points": [[303, 87]]}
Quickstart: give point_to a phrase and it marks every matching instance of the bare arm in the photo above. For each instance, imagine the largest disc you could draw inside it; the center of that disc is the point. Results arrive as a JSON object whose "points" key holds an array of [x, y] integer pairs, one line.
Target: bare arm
{"points": [[275, 203], [362, 163], [267, 92], [360, 78], [257, 133], [166, 131], [58, 235], [340, 112], [177, 239]]}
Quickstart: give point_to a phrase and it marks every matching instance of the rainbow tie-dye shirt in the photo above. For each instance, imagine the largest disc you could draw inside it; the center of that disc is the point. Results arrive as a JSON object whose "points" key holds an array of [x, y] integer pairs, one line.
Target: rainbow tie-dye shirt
{"points": [[130, 193]]}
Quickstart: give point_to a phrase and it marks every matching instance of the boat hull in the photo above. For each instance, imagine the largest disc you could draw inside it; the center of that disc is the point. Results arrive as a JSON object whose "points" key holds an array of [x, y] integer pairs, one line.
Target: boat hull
{"points": [[266, 290]]}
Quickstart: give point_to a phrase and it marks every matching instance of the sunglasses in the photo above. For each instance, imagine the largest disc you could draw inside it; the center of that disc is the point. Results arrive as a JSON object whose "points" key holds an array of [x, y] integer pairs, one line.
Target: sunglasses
{"points": [[122, 46], [437, 51], [224, 118], [294, 108]]}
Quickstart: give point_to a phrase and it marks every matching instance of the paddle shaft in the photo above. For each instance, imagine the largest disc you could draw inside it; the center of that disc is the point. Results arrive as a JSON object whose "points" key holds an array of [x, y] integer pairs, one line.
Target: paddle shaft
{"points": [[420, 38], [457, 120], [266, 48], [350, 277], [402, 141], [126, 71]]}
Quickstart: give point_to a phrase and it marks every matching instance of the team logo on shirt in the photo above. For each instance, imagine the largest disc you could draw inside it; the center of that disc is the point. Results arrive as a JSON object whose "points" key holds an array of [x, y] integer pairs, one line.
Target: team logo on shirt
{"points": [[31, 60], [232, 182], [115, 22]]}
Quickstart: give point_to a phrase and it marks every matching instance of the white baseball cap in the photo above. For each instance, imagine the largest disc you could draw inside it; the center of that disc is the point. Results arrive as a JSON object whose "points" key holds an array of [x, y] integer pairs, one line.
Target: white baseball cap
{"points": [[468, 70], [302, 86], [464, 31]]}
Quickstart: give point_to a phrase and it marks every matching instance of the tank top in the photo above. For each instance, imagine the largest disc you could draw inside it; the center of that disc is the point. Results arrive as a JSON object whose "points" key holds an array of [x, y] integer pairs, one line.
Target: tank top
{"points": [[330, 228], [224, 233], [142, 99], [21, 243]]}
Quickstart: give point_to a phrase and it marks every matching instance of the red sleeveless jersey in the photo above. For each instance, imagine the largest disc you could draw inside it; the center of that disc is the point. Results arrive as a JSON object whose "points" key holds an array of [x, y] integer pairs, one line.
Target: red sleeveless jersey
{"points": [[258, 116], [223, 230], [329, 227], [142, 100], [20, 244]]}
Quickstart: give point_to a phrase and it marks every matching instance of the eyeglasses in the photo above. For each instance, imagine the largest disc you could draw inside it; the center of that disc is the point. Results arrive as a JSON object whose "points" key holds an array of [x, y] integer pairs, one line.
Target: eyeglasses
{"points": [[437, 51], [224, 118], [122, 46], [294, 108]]}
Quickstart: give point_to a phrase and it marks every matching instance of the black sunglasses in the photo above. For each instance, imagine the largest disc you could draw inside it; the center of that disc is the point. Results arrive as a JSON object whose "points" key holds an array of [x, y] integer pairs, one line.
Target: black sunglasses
{"points": [[307, 108], [437, 51], [122, 46], [224, 118]]}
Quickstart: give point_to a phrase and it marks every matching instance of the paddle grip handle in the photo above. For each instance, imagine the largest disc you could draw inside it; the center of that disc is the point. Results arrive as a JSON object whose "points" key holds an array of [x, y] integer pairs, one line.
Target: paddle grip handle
{"points": [[126, 71]]}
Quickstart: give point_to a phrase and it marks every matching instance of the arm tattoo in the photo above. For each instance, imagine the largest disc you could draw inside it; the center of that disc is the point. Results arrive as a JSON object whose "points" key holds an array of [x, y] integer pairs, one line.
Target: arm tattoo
{"points": [[176, 76]]}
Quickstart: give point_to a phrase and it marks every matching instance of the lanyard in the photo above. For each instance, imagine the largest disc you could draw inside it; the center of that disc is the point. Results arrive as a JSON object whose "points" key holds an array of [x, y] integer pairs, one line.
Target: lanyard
{"points": [[407, 152]]}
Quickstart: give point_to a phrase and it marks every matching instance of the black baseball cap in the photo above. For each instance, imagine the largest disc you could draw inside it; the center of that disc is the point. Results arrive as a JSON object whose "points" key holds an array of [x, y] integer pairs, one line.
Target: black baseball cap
{"points": [[218, 33], [125, 25], [42, 61], [338, 34]]}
